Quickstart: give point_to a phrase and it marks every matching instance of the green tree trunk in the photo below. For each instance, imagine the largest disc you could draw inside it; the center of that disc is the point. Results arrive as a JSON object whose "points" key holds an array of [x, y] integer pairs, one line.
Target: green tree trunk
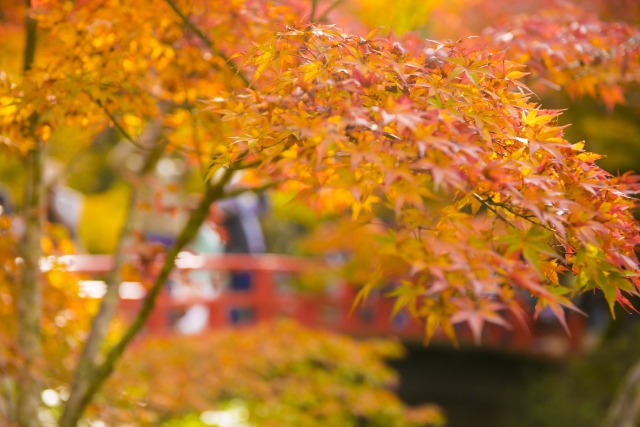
{"points": [[29, 309]]}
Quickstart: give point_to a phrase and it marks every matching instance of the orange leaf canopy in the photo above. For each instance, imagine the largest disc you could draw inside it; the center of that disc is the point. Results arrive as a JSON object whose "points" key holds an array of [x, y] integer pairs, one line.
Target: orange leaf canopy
{"points": [[487, 197]]}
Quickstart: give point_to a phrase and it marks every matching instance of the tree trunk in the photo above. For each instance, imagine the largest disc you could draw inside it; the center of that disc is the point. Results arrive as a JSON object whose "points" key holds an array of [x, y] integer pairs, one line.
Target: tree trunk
{"points": [[99, 326], [29, 294], [28, 322], [624, 411], [94, 380]]}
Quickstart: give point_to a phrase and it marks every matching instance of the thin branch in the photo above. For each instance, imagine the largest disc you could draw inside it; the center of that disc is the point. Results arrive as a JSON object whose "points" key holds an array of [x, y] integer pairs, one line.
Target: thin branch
{"points": [[314, 6], [259, 189], [31, 26], [329, 9], [238, 166], [86, 366], [492, 209], [525, 217], [118, 126], [187, 22]]}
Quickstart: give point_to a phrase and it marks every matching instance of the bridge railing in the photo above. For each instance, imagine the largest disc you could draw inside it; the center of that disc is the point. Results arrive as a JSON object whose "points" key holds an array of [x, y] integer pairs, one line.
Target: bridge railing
{"points": [[245, 289]]}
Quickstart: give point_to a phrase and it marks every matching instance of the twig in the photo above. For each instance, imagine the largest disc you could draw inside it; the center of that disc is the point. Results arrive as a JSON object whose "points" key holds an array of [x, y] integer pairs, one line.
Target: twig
{"points": [[492, 209], [314, 6], [259, 189], [329, 9], [525, 217], [209, 42], [118, 126]]}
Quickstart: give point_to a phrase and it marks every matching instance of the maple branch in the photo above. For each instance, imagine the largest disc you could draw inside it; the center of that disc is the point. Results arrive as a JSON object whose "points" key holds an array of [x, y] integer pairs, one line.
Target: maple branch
{"points": [[488, 201], [492, 209], [259, 189], [329, 9], [249, 165], [212, 193], [314, 6], [31, 25], [118, 126], [86, 365], [489, 204], [187, 22]]}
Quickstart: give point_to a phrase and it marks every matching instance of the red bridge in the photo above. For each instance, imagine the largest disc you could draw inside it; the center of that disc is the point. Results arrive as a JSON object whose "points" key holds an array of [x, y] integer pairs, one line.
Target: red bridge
{"points": [[245, 289]]}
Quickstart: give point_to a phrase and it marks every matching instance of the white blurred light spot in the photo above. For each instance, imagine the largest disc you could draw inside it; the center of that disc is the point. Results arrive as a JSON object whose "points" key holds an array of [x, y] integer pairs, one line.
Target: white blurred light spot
{"points": [[60, 320], [131, 290], [47, 263], [64, 393], [97, 423], [189, 260], [169, 167], [235, 417], [68, 262], [506, 37], [92, 288], [194, 320], [248, 200], [50, 397], [46, 417]]}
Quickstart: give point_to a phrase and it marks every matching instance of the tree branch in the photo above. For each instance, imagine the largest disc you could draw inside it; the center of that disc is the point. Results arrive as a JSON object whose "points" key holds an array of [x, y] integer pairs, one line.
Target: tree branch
{"points": [[260, 189], [314, 6], [208, 42], [118, 126], [87, 362], [31, 26], [212, 193], [487, 202], [329, 9]]}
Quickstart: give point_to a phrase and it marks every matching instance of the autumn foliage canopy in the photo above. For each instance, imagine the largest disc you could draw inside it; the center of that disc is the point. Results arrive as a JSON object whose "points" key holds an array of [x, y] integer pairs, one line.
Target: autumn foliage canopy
{"points": [[487, 197], [459, 183]]}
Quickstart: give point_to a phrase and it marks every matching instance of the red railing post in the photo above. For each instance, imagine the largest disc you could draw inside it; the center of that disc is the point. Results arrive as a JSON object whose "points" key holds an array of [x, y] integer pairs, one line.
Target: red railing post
{"points": [[158, 322], [262, 295]]}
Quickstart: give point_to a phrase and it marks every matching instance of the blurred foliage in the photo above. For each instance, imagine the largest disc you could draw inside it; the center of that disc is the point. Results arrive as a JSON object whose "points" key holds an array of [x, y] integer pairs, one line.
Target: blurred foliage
{"points": [[285, 375], [453, 19], [65, 319], [102, 218], [408, 15], [616, 133], [286, 221], [576, 394]]}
